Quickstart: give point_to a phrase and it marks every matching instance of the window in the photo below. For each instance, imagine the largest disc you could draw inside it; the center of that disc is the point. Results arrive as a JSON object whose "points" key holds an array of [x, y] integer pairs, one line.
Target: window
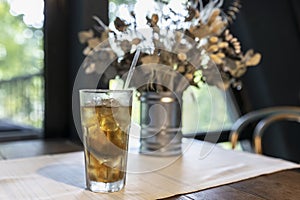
{"points": [[21, 66], [204, 110]]}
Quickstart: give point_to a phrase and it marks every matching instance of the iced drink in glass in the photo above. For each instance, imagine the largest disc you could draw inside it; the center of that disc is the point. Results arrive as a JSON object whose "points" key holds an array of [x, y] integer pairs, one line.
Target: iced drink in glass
{"points": [[106, 118]]}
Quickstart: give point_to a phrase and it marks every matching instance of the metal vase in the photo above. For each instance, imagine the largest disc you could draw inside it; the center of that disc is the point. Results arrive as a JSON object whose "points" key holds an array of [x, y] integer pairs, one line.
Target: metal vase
{"points": [[160, 121]]}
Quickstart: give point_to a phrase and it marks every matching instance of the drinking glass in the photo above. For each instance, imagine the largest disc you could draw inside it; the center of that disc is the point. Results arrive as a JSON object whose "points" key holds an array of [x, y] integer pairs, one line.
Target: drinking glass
{"points": [[105, 119]]}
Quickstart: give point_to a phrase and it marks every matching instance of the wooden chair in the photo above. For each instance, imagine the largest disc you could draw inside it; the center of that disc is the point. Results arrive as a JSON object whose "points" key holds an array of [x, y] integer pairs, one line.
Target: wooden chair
{"points": [[265, 118]]}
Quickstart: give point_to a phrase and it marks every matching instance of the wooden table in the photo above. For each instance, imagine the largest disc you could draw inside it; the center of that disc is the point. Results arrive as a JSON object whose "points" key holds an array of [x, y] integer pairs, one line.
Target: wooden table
{"points": [[280, 185]]}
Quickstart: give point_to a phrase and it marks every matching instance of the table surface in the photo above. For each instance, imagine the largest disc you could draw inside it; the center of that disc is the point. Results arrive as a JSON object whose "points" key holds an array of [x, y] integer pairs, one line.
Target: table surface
{"points": [[280, 185]]}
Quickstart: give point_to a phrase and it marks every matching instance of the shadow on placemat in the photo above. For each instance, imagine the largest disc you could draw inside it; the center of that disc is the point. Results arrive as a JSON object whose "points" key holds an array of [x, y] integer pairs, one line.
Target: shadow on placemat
{"points": [[65, 173]]}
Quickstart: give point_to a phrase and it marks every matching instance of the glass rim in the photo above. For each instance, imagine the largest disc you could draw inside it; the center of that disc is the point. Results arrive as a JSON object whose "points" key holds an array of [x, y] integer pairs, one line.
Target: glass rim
{"points": [[105, 90]]}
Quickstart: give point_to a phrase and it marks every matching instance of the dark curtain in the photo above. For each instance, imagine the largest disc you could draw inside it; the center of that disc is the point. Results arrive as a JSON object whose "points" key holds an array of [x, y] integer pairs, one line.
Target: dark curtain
{"points": [[63, 20], [273, 29]]}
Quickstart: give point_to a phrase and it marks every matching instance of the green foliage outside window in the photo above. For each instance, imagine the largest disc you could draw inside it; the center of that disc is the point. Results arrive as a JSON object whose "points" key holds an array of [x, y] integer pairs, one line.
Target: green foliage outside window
{"points": [[21, 66], [21, 47]]}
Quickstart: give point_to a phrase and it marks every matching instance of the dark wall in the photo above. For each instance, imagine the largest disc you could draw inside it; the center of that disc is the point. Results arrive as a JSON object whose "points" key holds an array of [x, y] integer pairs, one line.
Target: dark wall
{"points": [[63, 57], [81, 19], [273, 29], [56, 68]]}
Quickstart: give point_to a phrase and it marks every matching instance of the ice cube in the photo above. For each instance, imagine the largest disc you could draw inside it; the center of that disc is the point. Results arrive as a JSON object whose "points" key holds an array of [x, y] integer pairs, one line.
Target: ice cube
{"points": [[93, 174], [89, 117], [96, 139], [116, 162], [118, 138], [114, 175], [123, 98], [92, 160], [115, 168], [96, 101], [110, 102], [108, 123]]}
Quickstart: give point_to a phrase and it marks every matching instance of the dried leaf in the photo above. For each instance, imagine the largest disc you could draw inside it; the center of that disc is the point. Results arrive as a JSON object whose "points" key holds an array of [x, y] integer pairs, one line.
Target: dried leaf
{"points": [[233, 10], [213, 48], [222, 45], [178, 36], [87, 50], [216, 59], [120, 24], [152, 22], [254, 60], [240, 71], [218, 27], [215, 13], [154, 19], [92, 43], [199, 31], [150, 59], [235, 68], [104, 35], [181, 69], [84, 36], [192, 13], [249, 53], [189, 77], [213, 39], [182, 56], [221, 55], [136, 41], [125, 46]]}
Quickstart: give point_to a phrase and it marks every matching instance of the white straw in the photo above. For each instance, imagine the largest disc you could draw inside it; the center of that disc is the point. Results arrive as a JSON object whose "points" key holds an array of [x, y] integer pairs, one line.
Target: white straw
{"points": [[132, 68]]}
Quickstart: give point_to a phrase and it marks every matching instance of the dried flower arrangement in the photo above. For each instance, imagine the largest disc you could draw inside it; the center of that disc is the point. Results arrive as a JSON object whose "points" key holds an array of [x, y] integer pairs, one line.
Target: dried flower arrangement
{"points": [[173, 41]]}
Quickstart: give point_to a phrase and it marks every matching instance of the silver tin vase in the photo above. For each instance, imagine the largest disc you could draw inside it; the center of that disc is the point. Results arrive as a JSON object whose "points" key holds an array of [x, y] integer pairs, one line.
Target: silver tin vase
{"points": [[160, 119]]}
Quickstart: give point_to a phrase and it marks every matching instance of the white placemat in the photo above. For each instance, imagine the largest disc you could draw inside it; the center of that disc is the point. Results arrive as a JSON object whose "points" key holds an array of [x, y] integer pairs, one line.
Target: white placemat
{"points": [[202, 166]]}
